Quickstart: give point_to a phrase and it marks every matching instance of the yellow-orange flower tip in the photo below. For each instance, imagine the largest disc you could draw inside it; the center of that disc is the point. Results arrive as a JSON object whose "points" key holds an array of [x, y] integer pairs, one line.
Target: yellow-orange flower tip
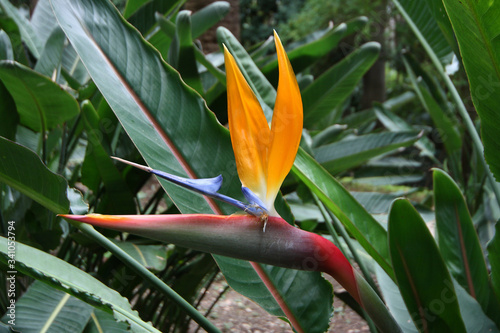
{"points": [[286, 126], [248, 129], [264, 155]]}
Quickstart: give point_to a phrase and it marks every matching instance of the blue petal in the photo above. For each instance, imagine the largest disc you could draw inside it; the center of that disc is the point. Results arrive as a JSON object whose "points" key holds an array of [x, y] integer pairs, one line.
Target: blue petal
{"points": [[252, 198], [202, 185], [210, 186]]}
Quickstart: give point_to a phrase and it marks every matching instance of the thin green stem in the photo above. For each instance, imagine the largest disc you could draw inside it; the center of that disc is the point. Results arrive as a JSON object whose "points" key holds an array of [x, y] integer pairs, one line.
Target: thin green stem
{"points": [[62, 155], [469, 124], [147, 275]]}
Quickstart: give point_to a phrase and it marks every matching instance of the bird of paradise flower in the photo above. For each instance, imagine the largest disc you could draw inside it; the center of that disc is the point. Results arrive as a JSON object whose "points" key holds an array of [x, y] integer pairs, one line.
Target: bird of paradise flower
{"points": [[264, 155]]}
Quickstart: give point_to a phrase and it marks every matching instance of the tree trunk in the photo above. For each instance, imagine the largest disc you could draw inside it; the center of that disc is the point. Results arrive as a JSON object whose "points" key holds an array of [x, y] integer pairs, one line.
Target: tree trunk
{"points": [[374, 79]]}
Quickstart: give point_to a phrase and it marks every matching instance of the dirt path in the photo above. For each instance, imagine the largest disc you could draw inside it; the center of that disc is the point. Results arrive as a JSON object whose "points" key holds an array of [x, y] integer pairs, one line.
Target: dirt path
{"points": [[237, 314]]}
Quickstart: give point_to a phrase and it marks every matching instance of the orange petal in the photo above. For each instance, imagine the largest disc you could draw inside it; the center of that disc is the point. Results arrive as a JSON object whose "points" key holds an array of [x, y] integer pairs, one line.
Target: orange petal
{"points": [[248, 129], [286, 126]]}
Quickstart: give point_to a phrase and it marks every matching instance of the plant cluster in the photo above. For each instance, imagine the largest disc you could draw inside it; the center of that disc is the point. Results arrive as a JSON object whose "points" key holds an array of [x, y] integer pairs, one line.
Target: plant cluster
{"points": [[82, 82]]}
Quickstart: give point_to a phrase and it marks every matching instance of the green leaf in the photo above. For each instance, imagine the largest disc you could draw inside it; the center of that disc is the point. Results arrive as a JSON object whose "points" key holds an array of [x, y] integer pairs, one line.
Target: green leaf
{"points": [[51, 57], [27, 32], [423, 18], [474, 318], [7, 328], [422, 277], [362, 226], [307, 54], [185, 57], [6, 51], [394, 123], [102, 321], [65, 277], [494, 258], [394, 301], [118, 198], [459, 243], [23, 170], [152, 257], [359, 118], [387, 179], [8, 114], [208, 16], [45, 309], [375, 202], [77, 204], [41, 103], [133, 6], [477, 29], [265, 92], [448, 129], [143, 18], [146, 96], [331, 89], [436, 8], [328, 135], [43, 21], [350, 152]]}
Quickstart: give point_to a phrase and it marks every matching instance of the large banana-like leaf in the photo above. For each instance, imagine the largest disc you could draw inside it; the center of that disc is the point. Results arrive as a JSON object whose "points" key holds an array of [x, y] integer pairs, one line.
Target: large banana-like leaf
{"points": [[45, 309], [28, 34], [307, 54], [459, 244], [450, 134], [63, 276], [337, 83], [494, 256], [41, 103], [8, 111], [43, 20], [98, 166], [264, 90], [420, 13], [477, 28], [174, 131], [367, 231], [423, 280], [22, 169], [350, 152]]}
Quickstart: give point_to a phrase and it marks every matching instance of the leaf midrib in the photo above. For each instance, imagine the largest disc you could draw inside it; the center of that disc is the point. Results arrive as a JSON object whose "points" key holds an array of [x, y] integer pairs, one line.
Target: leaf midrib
{"points": [[414, 291], [463, 251]]}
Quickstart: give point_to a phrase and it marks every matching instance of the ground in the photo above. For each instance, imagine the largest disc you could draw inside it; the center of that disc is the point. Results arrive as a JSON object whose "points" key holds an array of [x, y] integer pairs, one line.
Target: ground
{"points": [[237, 314]]}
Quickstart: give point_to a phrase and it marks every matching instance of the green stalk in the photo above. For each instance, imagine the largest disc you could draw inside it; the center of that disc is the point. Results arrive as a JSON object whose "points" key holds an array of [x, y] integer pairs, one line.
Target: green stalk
{"points": [[469, 124], [147, 275]]}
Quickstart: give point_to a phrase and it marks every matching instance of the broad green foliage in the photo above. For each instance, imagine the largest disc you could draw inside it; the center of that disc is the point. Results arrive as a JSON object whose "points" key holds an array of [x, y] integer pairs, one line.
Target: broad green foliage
{"points": [[23, 170], [65, 277], [193, 132], [40, 102], [433, 306], [81, 82], [46, 308], [476, 30]]}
